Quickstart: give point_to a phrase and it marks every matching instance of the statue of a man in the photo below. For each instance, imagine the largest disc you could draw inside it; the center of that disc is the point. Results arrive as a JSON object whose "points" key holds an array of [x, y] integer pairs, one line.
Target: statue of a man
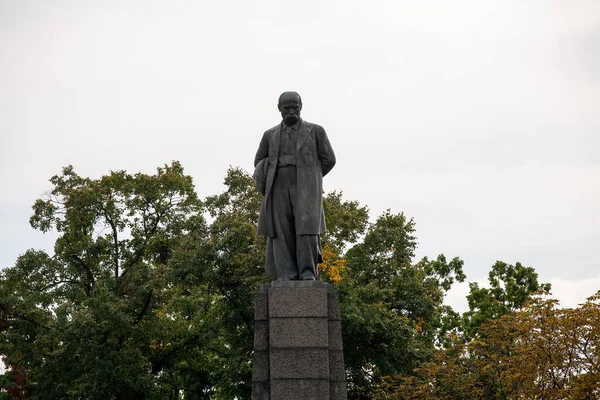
{"points": [[291, 161]]}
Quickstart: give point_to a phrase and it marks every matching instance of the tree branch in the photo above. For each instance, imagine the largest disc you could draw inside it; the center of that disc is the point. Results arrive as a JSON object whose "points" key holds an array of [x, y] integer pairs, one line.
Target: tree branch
{"points": [[144, 309], [88, 272], [53, 284], [115, 242]]}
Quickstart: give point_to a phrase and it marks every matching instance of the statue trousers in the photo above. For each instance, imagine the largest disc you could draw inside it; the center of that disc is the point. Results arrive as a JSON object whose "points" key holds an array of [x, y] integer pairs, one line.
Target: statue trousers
{"points": [[293, 256]]}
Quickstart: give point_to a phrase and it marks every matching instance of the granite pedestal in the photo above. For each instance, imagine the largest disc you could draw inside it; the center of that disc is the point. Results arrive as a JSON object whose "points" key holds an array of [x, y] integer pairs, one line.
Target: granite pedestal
{"points": [[298, 343]]}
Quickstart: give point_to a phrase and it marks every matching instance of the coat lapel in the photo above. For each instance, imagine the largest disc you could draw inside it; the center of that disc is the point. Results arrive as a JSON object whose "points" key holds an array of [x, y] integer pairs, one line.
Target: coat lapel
{"points": [[303, 134], [277, 141]]}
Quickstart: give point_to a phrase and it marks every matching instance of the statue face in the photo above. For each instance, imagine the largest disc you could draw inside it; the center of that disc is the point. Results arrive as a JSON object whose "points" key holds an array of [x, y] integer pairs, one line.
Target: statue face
{"points": [[290, 107]]}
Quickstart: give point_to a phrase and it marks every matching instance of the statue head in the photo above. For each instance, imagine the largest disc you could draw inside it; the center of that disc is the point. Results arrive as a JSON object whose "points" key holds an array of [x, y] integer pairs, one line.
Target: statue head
{"points": [[290, 105]]}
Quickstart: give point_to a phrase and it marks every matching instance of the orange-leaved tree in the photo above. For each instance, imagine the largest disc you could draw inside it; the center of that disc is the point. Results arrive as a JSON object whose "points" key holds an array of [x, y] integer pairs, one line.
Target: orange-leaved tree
{"points": [[539, 352]]}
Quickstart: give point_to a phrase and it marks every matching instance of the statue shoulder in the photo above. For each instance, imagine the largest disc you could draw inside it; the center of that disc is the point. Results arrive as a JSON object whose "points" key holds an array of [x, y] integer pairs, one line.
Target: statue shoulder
{"points": [[272, 130], [312, 126]]}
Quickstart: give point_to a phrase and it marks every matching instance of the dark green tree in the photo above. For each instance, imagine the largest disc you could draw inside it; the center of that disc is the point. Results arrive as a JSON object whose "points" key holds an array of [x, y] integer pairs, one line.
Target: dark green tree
{"points": [[511, 286], [106, 314], [143, 298], [346, 222], [392, 307], [237, 269]]}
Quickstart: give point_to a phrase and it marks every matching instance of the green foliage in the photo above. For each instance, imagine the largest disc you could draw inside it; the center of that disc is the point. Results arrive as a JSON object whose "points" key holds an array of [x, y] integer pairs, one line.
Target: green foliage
{"points": [[511, 286], [540, 351], [237, 270], [392, 308], [346, 221], [143, 298], [91, 321]]}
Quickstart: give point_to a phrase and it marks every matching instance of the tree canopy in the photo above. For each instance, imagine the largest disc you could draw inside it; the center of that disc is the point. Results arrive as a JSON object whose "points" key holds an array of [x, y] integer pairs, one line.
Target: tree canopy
{"points": [[149, 292], [511, 286], [537, 352]]}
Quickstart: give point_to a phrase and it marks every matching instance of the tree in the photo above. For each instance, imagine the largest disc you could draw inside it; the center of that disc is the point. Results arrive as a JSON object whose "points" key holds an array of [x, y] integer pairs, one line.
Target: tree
{"points": [[94, 320], [511, 286], [13, 382], [538, 352], [237, 269], [392, 308], [143, 298]]}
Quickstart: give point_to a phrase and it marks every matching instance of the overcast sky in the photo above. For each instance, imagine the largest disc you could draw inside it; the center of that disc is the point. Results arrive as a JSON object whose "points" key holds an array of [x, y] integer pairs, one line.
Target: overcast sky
{"points": [[480, 119]]}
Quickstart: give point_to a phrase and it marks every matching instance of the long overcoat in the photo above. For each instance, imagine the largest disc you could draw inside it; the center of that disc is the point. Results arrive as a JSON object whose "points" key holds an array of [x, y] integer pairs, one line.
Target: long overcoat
{"points": [[314, 159]]}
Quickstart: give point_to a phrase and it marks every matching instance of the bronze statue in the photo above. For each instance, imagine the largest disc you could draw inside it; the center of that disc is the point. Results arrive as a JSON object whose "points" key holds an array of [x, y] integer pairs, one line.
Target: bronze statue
{"points": [[291, 161]]}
